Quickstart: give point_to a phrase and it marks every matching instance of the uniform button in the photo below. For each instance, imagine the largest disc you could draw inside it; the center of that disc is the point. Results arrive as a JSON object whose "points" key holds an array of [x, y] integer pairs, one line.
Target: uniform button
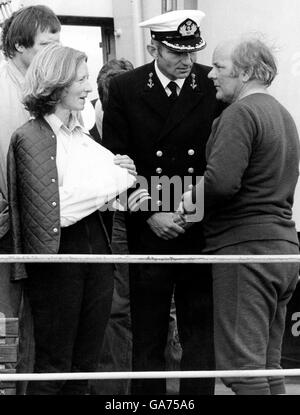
{"points": [[53, 180], [53, 136], [52, 158], [54, 204], [190, 186], [159, 203], [159, 187], [55, 230], [158, 170], [159, 153], [191, 152], [191, 170]]}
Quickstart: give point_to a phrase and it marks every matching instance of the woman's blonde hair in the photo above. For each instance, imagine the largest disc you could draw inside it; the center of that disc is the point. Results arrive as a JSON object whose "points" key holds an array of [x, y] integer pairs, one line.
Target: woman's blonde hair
{"points": [[52, 70]]}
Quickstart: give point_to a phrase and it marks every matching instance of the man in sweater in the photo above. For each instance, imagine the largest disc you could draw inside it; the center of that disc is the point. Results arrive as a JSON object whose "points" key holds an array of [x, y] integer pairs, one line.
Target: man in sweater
{"points": [[249, 183]]}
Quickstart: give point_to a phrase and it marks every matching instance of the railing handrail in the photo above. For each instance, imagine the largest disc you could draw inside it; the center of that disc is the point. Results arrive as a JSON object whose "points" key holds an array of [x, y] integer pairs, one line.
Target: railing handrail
{"points": [[148, 375], [124, 258]]}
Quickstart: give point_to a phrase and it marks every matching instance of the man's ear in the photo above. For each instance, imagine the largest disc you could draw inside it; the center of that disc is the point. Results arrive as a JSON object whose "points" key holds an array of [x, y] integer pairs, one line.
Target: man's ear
{"points": [[152, 49], [19, 48], [246, 75]]}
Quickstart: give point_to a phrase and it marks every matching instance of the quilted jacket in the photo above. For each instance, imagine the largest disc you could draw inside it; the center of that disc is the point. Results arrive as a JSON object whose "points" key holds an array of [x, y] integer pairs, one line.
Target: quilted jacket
{"points": [[33, 192]]}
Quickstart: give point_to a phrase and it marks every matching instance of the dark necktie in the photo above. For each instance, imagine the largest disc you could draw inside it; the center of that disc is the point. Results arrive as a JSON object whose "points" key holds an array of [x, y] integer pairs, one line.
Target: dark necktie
{"points": [[173, 88]]}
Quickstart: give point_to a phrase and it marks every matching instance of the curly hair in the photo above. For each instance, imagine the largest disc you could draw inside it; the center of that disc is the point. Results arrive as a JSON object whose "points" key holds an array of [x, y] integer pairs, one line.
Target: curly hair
{"points": [[22, 26], [52, 70], [255, 57]]}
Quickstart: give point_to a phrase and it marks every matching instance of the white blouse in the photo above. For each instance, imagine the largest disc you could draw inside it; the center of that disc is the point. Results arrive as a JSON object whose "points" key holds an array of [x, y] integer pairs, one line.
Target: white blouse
{"points": [[87, 175]]}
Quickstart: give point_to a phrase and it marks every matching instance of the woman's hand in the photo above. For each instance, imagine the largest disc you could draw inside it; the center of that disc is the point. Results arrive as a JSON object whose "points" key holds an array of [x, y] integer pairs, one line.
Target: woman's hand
{"points": [[125, 162]]}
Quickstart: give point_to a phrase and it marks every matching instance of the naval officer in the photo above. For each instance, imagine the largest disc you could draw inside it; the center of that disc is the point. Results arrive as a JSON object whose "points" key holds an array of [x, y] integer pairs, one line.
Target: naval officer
{"points": [[161, 114]]}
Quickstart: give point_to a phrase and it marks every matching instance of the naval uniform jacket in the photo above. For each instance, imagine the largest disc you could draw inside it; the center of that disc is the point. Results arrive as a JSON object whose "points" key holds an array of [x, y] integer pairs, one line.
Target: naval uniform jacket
{"points": [[33, 192], [161, 141]]}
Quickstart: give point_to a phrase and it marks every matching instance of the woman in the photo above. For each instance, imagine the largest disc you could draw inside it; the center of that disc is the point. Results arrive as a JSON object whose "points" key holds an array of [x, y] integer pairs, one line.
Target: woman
{"points": [[58, 178]]}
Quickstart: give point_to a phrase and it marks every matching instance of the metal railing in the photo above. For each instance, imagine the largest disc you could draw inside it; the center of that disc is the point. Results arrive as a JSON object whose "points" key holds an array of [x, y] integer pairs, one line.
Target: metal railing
{"points": [[164, 259], [13, 377]]}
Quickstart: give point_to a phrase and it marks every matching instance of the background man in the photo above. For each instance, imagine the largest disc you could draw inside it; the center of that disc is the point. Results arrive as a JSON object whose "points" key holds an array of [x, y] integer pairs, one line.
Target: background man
{"points": [[161, 115], [24, 34]]}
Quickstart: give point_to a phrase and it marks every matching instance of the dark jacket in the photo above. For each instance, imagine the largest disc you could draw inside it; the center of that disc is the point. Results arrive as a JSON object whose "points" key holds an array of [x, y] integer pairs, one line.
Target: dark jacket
{"points": [[162, 141], [33, 192]]}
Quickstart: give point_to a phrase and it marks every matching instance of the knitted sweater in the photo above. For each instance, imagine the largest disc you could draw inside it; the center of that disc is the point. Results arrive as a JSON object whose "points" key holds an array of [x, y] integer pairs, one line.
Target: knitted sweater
{"points": [[252, 170]]}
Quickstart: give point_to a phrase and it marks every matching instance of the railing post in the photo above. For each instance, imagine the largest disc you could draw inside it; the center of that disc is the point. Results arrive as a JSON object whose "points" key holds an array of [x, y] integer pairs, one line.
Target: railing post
{"points": [[9, 341]]}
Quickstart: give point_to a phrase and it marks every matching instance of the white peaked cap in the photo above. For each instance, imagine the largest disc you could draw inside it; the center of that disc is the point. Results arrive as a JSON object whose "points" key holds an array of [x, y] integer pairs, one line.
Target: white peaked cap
{"points": [[171, 20], [178, 30]]}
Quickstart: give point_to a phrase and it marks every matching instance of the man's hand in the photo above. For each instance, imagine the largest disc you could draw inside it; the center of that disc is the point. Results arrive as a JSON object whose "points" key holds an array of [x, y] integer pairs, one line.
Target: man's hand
{"points": [[163, 226], [125, 162], [181, 220], [186, 206], [192, 212], [186, 214]]}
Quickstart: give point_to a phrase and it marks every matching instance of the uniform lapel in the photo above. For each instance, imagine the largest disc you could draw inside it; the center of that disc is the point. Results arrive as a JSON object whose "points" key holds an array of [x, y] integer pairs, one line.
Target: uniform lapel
{"points": [[153, 92], [191, 94]]}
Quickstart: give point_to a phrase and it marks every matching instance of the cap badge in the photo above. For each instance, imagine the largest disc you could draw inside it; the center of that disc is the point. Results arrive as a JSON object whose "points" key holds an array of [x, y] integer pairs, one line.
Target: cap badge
{"points": [[193, 84], [150, 83], [187, 28]]}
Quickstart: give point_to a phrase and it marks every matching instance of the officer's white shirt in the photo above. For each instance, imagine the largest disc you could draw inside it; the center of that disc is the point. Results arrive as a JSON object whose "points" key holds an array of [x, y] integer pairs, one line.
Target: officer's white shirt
{"points": [[164, 81], [87, 175]]}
